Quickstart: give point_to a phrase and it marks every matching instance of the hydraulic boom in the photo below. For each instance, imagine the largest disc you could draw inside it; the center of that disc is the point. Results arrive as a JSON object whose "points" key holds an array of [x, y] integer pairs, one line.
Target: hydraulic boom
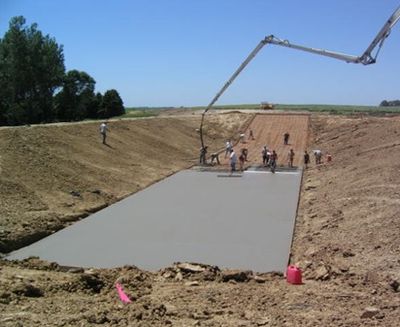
{"points": [[366, 58]]}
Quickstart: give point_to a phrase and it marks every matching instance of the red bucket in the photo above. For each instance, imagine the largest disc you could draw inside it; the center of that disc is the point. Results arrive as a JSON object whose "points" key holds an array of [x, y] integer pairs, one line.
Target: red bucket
{"points": [[293, 275]]}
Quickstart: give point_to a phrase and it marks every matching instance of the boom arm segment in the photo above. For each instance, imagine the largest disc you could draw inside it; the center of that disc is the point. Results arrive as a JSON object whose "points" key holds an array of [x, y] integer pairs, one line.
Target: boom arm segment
{"points": [[285, 43], [229, 82], [365, 59]]}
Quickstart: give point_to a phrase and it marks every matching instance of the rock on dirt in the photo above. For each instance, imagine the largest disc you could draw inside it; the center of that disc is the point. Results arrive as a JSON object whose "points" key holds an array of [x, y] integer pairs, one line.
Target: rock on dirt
{"points": [[370, 312], [236, 275], [394, 284]]}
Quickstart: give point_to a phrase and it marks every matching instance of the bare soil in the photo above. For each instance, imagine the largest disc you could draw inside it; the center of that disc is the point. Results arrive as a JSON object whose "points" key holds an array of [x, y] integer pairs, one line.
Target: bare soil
{"points": [[346, 236], [52, 175], [268, 130]]}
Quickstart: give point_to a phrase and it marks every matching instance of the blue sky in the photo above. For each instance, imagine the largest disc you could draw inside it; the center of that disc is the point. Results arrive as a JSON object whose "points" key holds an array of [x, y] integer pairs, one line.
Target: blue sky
{"points": [[181, 52]]}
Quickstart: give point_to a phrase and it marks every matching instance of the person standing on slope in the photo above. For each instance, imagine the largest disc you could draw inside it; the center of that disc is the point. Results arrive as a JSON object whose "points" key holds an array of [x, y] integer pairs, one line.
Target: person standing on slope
{"points": [[103, 131], [306, 159], [286, 138], [251, 135], [228, 148]]}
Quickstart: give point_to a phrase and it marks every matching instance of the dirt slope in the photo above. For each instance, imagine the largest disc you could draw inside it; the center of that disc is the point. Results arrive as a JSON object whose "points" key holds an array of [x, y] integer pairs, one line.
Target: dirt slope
{"points": [[346, 241], [53, 175], [268, 129], [348, 216]]}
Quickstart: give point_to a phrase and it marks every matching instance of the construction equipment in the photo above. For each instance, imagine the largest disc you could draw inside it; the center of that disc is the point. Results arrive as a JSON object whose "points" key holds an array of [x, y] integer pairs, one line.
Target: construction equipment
{"points": [[366, 58], [266, 106]]}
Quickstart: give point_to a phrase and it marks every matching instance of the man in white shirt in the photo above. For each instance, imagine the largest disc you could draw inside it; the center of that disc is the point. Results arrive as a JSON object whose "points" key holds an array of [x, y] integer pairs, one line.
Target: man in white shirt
{"points": [[242, 136], [318, 156], [228, 147], [103, 131]]}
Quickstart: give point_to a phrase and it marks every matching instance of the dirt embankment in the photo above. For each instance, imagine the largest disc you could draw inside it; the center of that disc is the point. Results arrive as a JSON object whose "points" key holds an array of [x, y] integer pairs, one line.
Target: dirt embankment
{"points": [[348, 216], [346, 241], [51, 176]]}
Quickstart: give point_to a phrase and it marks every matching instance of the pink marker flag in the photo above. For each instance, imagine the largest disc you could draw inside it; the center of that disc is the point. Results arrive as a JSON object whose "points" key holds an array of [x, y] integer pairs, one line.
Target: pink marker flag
{"points": [[124, 298]]}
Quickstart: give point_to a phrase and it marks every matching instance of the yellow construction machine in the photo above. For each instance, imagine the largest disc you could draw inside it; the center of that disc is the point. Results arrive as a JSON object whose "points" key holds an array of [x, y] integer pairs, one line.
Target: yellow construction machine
{"points": [[266, 106]]}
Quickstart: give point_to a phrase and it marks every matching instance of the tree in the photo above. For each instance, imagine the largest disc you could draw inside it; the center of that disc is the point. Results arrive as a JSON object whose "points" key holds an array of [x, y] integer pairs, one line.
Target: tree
{"points": [[112, 104], [393, 103], [94, 106], [31, 69], [77, 95]]}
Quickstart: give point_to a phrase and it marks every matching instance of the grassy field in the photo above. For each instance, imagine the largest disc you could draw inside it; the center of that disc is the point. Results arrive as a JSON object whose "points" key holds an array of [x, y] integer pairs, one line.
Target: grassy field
{"points": [[339, 109], [140, 112], [332, 109]]}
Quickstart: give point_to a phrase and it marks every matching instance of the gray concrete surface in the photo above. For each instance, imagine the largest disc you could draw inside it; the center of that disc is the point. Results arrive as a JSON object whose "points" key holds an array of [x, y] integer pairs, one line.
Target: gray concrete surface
{"points": [[239, 223]]}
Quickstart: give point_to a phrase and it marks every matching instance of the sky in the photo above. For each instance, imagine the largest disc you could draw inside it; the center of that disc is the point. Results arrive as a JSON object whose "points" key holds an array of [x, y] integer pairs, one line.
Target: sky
{"points": [[181, 52]]}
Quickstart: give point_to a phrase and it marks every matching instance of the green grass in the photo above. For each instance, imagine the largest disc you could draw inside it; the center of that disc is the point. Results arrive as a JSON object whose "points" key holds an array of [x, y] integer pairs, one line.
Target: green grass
{"points": [[339, 109], [139, 113], [230, 107], [332, 109]]}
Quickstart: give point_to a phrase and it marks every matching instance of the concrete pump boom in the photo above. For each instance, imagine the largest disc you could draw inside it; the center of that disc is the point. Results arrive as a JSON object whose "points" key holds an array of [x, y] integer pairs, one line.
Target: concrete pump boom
{"points": [[366, 58]]}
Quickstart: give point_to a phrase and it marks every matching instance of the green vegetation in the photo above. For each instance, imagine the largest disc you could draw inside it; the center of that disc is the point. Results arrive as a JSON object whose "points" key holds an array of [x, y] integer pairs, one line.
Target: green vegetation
{"points": [[140, 113], [230, 107], [34, 87], [332, 109], [338, 109]]}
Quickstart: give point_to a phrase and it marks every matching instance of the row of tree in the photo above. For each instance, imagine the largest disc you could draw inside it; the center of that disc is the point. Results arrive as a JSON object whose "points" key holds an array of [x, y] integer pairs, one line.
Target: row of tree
{"points": [[393, 103], [35, 88]]}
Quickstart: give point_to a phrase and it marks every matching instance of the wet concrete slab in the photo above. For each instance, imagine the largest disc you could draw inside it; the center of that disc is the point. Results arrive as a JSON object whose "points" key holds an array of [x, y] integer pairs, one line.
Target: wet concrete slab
{"points": [[243, 222]]}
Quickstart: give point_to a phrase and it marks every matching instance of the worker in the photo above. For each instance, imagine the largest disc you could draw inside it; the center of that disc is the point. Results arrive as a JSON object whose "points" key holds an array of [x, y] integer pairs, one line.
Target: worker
{"points": [[241, 137], [242, 159], [215, 156], [272, 160], [306, 159], [286, 138], [103, 131], [245, 152], [265, 156], [203, 153], [228, 147], [290, 158], [318, 156], [233, 160], [251, 135], [328, 157]]}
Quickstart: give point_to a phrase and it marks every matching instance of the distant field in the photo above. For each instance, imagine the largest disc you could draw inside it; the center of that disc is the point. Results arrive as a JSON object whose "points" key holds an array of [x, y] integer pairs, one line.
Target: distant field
{"points": [[140, 112], [339, 109], [333, 109]]}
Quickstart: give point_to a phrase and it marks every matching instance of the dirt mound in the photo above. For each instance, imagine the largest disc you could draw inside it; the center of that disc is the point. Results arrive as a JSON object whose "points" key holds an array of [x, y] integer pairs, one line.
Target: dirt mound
{"points": [[346, 236]]}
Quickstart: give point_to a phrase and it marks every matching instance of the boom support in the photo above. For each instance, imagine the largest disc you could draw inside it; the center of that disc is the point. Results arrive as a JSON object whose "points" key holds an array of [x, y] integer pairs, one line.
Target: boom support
{"points": [[366, 58]]}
